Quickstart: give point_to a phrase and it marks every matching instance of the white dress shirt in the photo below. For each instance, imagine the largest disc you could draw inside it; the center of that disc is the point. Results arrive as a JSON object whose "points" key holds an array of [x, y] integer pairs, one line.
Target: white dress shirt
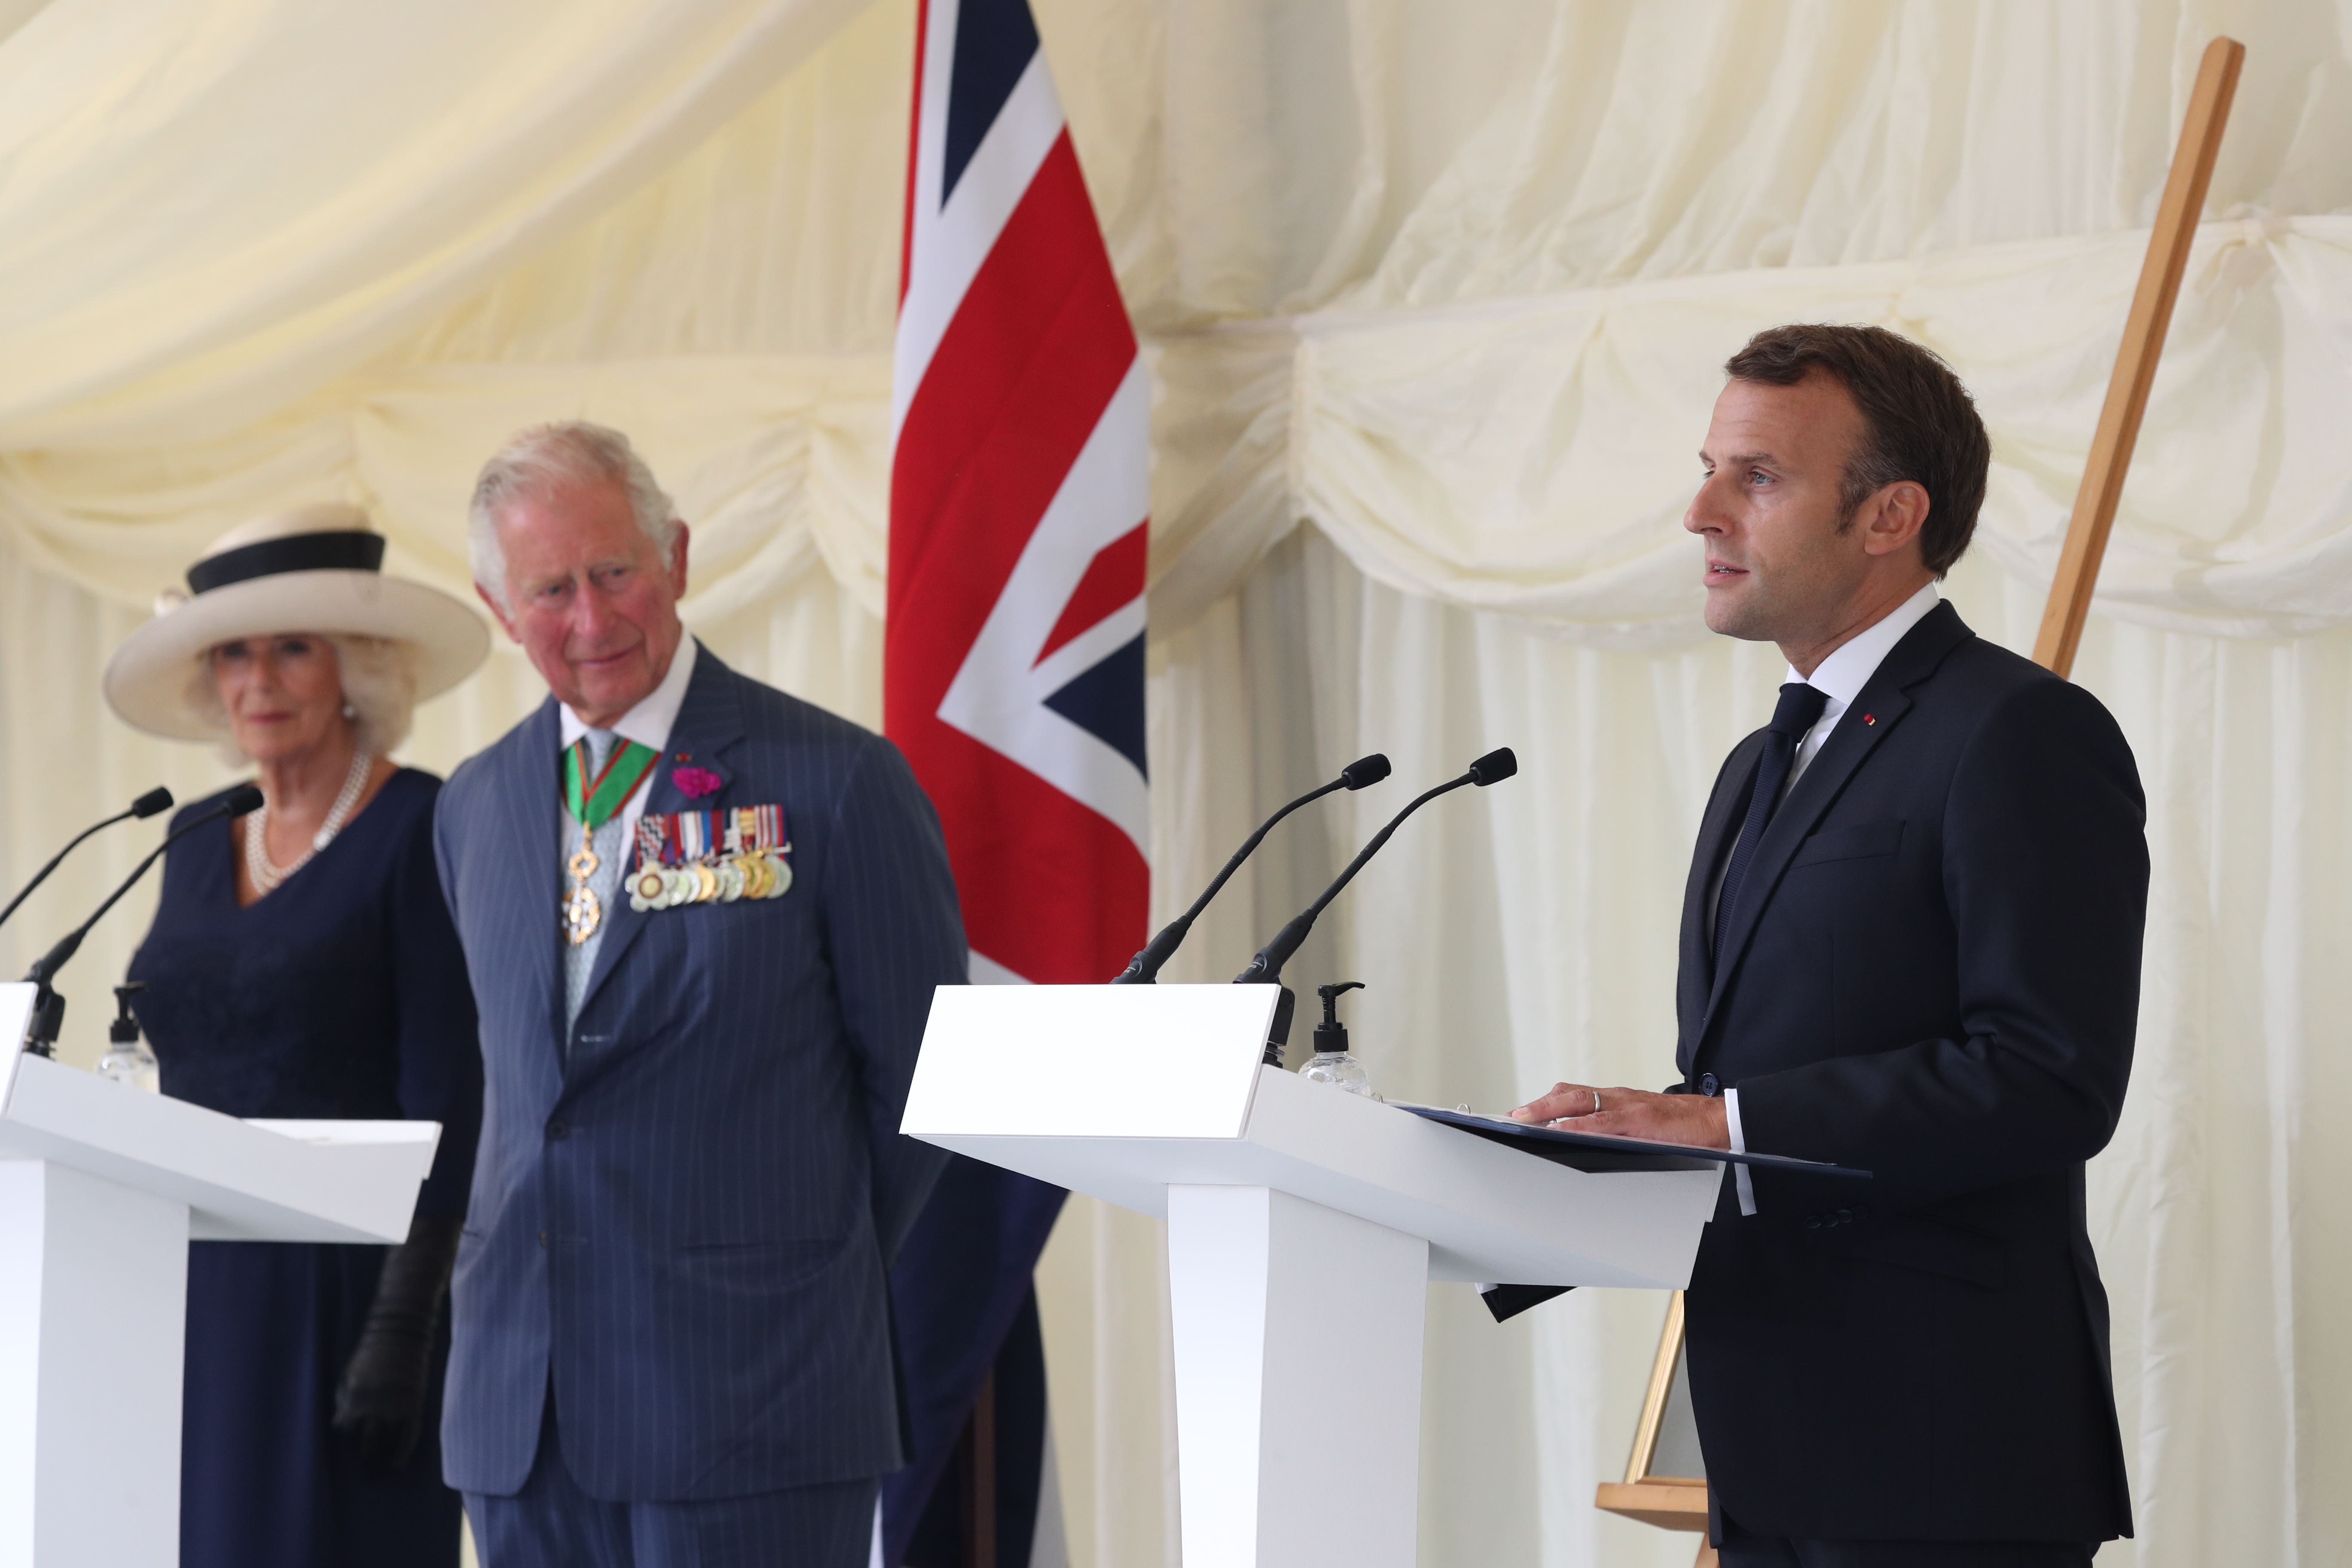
{"points": [[648, 724], [1841, 678]]}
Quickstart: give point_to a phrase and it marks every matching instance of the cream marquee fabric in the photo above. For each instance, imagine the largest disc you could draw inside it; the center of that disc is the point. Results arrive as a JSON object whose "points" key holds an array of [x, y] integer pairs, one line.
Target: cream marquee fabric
{"points": [[1449, 285], [1521, 456], [212, 208], [1533, 454]]}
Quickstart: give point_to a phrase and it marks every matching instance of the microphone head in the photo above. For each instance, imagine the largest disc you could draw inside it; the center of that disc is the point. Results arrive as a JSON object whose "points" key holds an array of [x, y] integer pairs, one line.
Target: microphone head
{"points": [[1494, 767], [155, 800], [1365, 771], [241, 800]]}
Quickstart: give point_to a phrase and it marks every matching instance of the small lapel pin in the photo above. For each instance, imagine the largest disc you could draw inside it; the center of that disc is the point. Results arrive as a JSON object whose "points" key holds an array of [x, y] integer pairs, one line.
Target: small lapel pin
{"points": [[1870, 719]]}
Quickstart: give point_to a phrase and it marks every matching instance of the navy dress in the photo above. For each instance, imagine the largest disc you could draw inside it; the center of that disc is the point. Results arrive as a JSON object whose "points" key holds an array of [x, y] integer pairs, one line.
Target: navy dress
{"points": [[341, 995]]}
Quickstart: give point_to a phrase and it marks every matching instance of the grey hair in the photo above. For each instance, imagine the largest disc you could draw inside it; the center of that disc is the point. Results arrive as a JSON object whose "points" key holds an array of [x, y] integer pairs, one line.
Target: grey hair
{"points": [[570, 451], [378, 681]]}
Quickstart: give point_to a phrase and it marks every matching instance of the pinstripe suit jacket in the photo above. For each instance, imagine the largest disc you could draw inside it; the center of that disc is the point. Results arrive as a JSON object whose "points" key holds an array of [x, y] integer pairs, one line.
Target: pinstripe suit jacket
{"points": [[683, 1216]]}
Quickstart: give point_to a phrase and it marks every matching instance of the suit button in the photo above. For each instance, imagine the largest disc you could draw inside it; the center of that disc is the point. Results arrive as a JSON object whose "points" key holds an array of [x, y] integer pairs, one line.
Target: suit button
{"points": [[542, 1241], [557, 1130], [1812, 1222], [1708, 1085]]}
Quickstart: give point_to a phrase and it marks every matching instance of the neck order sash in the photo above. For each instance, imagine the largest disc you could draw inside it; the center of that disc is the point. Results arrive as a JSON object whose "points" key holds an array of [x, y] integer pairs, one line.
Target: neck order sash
{"points": [[593, 803]]}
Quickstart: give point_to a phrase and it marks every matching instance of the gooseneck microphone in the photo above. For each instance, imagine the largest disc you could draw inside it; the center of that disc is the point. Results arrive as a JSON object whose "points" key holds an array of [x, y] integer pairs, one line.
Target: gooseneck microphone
{"points": [[1265, 969], [146, 806], [1144, 968], [48, 1008]]}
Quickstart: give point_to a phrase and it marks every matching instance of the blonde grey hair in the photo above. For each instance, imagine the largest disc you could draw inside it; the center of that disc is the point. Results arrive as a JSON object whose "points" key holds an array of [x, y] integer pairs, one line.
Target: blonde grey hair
{"points": [[570, 451], [378, 681]]}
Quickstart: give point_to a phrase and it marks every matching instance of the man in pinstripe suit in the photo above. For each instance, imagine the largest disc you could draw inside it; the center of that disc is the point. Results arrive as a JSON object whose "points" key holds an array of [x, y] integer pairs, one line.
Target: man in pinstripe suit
{"points": [[672, 1340]]}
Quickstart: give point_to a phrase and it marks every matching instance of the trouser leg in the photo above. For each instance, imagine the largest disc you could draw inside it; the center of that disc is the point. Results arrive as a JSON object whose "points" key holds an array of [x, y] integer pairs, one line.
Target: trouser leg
{"points": [[1742, 1548], [828, 1526], [1745, 1550], [551, 1523], [1936, 1554]]}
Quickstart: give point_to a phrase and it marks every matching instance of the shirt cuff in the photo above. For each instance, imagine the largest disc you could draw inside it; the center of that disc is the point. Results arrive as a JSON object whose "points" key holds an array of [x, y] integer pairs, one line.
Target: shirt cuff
{"points": [[1740, 1176]]}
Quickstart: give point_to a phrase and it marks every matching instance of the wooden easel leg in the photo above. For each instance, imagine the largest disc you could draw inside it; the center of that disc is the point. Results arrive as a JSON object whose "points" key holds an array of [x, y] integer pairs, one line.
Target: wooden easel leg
{"points": [[2134, 373]]}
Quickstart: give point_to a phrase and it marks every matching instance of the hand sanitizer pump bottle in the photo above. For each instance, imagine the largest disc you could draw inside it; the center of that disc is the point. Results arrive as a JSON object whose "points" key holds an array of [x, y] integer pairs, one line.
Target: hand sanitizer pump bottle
{"points": [[127, 1058], [1332, 1064]]}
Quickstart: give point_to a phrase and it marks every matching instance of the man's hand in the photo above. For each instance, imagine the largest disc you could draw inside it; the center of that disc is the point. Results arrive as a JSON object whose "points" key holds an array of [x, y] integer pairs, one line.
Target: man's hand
{"points": [[1694, 1119]]}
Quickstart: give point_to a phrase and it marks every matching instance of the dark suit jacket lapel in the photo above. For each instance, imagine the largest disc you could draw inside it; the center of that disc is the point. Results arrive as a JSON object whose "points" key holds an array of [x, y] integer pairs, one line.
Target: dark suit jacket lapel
{"points": [[1885, 699], [535, 783], [710, 721], [1695, 978]]}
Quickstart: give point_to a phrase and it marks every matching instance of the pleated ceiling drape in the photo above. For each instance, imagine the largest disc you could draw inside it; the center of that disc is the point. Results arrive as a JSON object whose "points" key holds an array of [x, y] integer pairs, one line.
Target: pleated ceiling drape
{"points": [[1448, 286]]}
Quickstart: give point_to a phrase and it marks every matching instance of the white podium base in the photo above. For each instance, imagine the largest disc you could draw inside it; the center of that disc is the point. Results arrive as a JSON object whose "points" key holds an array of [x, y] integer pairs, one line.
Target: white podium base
{"points": [[1304, 1224], [1298, 1333], [92, 1333], [101, 1188]]}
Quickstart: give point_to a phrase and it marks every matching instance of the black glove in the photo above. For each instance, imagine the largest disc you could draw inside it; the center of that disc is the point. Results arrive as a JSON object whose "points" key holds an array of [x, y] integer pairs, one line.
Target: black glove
{"points": [[380, 1406]]}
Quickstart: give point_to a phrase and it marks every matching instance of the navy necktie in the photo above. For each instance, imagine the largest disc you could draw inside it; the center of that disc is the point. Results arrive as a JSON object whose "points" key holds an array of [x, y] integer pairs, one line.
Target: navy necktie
{"points": [[1799, 710]]}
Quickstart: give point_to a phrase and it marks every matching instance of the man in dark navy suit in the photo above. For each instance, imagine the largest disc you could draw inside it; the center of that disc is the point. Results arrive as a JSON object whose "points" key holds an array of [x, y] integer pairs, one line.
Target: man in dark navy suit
{"points": [[1911, 944], [704, 922]]}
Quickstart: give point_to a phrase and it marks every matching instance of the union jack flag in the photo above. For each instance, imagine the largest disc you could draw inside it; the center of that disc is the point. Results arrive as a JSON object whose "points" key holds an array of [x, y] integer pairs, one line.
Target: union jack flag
{"points": [[1014, 650], [1012, 675]]}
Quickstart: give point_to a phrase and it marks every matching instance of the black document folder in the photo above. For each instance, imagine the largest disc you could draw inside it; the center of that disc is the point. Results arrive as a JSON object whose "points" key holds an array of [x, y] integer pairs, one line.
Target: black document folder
{"points": [[1598, 1152]]}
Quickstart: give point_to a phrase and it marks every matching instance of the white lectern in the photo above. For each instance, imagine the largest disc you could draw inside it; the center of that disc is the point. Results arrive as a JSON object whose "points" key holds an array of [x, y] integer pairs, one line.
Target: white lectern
{"points": [[1303, 1223], [101, 1188]]}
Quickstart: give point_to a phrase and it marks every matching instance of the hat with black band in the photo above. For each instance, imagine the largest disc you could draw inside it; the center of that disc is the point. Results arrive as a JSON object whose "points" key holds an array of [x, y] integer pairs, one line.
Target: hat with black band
{"points": [[316, 569]]}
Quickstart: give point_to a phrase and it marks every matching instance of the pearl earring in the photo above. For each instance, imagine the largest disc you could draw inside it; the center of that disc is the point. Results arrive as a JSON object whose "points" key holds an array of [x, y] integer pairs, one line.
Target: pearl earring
{"points": [[349, 711]]}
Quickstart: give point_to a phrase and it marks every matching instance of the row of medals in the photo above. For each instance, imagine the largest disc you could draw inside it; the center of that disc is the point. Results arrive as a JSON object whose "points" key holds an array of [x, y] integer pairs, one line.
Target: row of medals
{"points": [[764, 875]]}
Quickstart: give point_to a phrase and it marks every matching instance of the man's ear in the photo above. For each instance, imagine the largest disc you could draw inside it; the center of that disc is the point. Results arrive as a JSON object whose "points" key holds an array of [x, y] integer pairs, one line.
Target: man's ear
{"points": [[499, 614], [677, 562], [1892, 518]]}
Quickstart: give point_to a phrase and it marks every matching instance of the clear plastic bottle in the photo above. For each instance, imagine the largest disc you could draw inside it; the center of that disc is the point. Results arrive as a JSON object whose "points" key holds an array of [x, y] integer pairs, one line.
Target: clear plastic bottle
{"points": [[127, 1058], [1332, 1062]]}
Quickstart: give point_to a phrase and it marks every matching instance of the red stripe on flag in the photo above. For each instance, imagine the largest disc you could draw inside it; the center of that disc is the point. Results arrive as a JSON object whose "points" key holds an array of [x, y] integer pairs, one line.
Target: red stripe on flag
{"points": [[1114, 577], [1017, 385], [1037, 347], [1052, 890]]}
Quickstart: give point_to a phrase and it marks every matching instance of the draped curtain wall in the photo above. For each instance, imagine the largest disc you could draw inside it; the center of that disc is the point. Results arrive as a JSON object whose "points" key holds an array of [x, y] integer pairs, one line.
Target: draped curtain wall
{"points": [[1452, 292]]}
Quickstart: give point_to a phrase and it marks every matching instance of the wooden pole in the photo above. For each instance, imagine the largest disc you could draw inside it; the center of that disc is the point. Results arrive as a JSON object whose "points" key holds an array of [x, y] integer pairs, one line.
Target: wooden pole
{"points": [[2144, 329]]}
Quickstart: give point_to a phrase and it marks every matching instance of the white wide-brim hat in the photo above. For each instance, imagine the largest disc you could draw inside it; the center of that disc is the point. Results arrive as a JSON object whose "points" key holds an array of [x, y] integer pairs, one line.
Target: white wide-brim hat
{"points": [[315, 569]]}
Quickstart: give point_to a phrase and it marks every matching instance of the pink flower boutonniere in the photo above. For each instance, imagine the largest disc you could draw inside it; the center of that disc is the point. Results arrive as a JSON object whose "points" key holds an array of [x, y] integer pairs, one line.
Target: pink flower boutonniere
{"points": [[696, 783]]}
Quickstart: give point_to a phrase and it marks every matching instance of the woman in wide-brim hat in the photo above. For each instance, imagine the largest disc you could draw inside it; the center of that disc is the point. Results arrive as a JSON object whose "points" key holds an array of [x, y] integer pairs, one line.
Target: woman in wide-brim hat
{"points": [[303, 963]]}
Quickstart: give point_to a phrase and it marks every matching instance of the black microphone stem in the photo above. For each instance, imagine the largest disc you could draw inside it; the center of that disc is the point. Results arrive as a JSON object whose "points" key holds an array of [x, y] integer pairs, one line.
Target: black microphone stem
{"points": [[143, 806], [1266, 967], [48, 1008], [67, 945], [55, 860], [1348, 875], [1144, 968]]}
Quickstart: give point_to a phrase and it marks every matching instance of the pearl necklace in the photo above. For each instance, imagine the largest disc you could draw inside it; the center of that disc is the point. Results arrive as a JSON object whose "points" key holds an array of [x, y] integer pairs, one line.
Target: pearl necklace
{"points": [[268, 874]]}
